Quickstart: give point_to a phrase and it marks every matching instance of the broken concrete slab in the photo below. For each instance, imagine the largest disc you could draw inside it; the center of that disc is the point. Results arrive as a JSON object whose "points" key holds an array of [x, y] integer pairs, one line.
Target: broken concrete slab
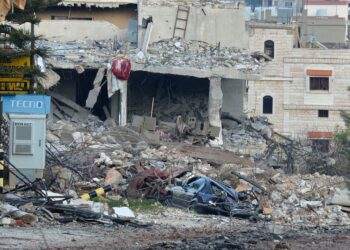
{"points": [[150, 123], [66, 101], [137, 121], [217, 156], [92, 97], [124, 213], [341, 197], [152, 138]]}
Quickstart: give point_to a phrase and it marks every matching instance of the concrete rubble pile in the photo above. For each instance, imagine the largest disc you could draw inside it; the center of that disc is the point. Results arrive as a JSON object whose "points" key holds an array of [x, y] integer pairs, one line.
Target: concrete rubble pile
{"points": [[196, 54], [312, 199], [175, 52], [307, 199], [86, 53], [238, 139], [96, 155]]}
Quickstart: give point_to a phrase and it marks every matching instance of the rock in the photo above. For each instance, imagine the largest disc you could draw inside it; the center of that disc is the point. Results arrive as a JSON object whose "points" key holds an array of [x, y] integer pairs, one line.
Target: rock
{"points": [[124, 213], [275, 196], [113, 177], [7, 221], [64, 176], [15, 213], [341, 197], [111, 139], [330, 162], [78, 137], [52, 138], [103, 159], [293, 199], [79, 202], [305, 203]]}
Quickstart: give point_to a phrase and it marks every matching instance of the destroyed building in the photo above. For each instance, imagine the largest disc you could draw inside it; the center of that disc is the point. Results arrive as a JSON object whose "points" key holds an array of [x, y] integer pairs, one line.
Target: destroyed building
{"points": [[177, 75], [184, 90], [178, 69]]}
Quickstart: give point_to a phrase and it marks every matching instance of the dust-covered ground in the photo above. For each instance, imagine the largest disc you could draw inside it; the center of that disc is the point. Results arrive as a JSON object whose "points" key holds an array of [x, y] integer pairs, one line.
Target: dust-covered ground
{"points": [[175, 229]]}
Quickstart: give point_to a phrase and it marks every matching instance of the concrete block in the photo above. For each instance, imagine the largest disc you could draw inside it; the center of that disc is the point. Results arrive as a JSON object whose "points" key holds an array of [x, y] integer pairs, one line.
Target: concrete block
{"points": [[124, 213], [137, 121], [214, 131], [31, 174], [149, 123], [152, 138]]}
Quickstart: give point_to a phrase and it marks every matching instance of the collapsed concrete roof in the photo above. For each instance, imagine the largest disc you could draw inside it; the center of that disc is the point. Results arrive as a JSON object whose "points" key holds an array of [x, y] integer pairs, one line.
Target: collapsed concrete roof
{"points": [[97, 3], [171, 56], [192, 2]]}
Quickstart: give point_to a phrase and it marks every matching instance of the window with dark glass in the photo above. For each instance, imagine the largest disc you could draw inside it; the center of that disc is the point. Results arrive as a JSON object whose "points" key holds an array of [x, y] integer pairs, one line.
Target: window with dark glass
{"points": [[319, 83], [323, 113], [269, 48], [267, 104]]}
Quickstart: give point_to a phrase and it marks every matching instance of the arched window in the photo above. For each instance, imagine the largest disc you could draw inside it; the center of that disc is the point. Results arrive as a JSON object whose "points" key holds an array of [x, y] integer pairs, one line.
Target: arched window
{"points": [[269, 48], [267, 104]]}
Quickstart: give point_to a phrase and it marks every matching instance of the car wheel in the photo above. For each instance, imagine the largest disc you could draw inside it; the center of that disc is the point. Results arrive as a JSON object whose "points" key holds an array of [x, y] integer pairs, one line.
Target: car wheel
{"points": [[193, 205]]}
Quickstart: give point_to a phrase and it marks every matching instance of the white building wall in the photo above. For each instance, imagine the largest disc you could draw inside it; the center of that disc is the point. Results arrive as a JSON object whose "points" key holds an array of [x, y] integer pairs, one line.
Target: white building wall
{"points": [[339, 10]]}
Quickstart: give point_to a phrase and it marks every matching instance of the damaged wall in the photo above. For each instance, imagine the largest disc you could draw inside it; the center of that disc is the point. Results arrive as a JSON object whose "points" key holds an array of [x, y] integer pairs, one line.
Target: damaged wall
{"points": [[282, 37], [116, 16], [233, 97], [173, 95], [208, 23], [67, 30], [106, 23]]}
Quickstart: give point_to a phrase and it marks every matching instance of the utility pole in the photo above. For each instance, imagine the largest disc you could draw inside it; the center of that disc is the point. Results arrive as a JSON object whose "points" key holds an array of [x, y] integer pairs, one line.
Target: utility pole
{"points": [[32, 53]]}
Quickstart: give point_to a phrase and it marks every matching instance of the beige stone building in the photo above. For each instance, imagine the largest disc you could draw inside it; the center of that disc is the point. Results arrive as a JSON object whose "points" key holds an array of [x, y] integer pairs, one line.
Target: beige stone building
{"points": [[301, 91], [89, 19]]}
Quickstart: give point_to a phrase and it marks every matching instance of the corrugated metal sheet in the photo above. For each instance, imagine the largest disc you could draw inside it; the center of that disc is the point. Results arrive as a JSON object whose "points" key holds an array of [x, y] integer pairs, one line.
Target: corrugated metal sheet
{"points": [[97, 3]]}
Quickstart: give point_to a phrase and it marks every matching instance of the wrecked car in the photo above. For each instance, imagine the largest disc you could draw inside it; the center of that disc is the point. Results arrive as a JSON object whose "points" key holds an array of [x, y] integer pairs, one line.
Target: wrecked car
{"points": [[205, 195]]}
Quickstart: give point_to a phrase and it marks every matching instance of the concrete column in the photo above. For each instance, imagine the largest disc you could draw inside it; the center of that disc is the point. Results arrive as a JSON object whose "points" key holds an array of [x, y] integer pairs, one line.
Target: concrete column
{"points": [[115, 106], [214, 107], [123, 103]]}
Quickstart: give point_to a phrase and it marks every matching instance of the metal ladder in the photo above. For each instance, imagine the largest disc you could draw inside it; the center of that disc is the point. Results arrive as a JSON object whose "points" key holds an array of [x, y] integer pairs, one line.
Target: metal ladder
{"points": [[181, 20]]}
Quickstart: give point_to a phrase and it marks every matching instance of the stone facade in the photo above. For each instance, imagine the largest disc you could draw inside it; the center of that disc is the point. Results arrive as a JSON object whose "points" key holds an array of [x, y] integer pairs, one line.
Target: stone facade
{"points": [[286, 80]]}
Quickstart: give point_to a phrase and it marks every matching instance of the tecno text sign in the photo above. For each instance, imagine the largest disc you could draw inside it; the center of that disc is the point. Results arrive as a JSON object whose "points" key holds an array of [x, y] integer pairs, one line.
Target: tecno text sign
{"points": [[29, 104]]}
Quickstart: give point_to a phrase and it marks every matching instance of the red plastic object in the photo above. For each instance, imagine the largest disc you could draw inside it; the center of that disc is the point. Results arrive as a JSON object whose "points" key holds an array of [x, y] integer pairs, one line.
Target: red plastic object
{"points": [[121, 68]]}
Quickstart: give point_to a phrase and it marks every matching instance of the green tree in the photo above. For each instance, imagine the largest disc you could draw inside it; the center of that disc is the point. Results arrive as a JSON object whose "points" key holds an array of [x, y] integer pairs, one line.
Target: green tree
{"points": [[342, 139], [18, 42]]}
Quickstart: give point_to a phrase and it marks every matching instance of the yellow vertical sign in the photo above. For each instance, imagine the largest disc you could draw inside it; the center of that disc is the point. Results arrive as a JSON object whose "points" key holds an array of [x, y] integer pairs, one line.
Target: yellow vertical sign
{"points": [[12, 79]]}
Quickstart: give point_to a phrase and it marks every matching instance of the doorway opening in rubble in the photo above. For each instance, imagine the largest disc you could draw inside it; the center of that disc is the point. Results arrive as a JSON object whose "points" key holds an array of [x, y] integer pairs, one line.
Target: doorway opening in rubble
{"points": [[269, 48], [173, 95], [267, 104], [76, 87]]}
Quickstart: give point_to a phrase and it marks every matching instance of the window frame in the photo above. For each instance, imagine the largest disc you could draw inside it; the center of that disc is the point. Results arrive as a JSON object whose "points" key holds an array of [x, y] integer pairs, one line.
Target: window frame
{"points": [[323, 113], [271, 45], [263, 102], [319, 83], [318, 73]]}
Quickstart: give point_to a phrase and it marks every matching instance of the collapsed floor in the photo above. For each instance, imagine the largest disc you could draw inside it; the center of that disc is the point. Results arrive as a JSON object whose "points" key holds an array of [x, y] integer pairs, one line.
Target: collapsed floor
{"points": [[171, 96], [86, 154]]}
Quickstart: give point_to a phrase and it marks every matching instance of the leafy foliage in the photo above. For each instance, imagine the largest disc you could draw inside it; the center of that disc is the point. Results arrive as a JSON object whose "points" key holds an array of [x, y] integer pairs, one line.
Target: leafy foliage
{"points": [[342, 139], [17, 42]]}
